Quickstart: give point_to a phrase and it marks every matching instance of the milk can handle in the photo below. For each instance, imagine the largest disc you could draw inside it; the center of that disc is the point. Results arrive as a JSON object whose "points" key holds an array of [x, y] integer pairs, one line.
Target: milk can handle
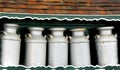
{"points": [[28, 35], [67, 37], [50, 35], [88, 36], [116, 35], [70, 37], [45, 36], [5, 33], [97, 37]]}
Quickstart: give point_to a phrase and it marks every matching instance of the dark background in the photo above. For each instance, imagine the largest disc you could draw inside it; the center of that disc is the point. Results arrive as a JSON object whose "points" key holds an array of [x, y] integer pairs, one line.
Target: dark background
{"points": [[90, 25]]}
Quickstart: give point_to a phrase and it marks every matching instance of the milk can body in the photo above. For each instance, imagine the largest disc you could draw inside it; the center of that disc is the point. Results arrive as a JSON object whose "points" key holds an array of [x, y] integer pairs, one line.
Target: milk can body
{"points": [[79, 47], [58, 48], [106, 45], [36, 48], [10, 46]]}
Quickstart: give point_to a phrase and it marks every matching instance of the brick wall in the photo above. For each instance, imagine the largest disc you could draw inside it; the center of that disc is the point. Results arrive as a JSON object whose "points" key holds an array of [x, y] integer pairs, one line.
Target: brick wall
{"points": [[61, 6]]}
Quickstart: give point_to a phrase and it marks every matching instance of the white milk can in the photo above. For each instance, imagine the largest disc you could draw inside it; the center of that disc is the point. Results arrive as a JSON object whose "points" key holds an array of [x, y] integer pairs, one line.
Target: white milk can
{"points": [[58, 48], [36, 48], [107, 47], [79, 47], [10, 46]]}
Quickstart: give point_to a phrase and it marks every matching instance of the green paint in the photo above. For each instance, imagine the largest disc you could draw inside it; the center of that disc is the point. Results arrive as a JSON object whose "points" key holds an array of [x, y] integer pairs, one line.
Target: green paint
{"points": [[61, 68], [60, 16]]}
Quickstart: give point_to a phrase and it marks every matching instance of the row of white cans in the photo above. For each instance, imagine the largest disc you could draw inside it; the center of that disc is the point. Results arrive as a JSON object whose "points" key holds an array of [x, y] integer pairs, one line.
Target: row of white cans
{"points": [[106, 44]]}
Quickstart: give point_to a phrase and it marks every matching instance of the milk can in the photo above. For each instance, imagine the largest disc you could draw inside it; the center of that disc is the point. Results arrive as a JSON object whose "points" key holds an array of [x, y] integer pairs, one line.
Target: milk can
{"points": [[36, 47], [106, 44], [58, 48], [10, 46], [79, 47]]}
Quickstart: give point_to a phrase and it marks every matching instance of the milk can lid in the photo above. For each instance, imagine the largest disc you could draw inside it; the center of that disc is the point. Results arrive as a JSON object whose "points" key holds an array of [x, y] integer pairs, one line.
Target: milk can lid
{"points": [[11, 25], [36, 28], [78, 29], [57, 29], [105, 28]]}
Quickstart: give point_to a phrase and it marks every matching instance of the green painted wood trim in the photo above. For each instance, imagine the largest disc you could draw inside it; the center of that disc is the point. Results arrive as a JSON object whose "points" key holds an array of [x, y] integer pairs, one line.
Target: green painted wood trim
{"points": [[61, 68], [68, 17]]}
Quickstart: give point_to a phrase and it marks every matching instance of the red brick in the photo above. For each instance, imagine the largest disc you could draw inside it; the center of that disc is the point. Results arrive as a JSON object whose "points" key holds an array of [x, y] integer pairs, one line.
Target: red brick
{"points": [[105, 1], [23, 6], [21, 1], [1, 0], [112, 8], [1, 5], [69, 4], [38, 7], [1, 9], [70, 1], [31, 0], [12, 1], [114, 5], [72, 11], [10, 10], [39, 0], [101, 12], [35, 11], [86, 8], [109, 12], [61, 11], [53, 0], [115, 12], [82, 12], [50, 11], [5, 1], [55, 7], [81, 1], [22, 10], [17, 6], [35, 3]]}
